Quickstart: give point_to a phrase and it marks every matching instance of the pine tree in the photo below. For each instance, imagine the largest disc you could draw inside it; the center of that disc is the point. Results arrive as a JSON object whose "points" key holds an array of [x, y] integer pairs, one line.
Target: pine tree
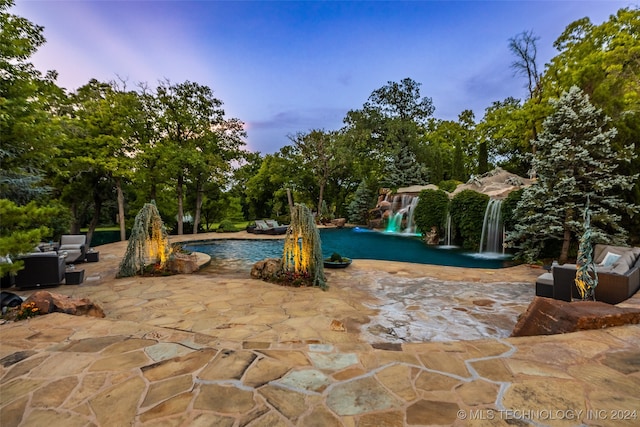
{"points": [[360, 205], [574, 162]]}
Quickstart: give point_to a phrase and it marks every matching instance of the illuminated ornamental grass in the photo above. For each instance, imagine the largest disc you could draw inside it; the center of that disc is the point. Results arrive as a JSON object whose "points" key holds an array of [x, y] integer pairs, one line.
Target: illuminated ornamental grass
{"points": [[586, 277], [302, 256], [148, 244]]}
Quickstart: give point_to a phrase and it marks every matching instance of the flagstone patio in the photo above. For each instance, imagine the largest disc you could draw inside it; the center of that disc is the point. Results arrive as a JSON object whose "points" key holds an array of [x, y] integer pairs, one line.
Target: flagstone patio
{"points": [[219, 348]]}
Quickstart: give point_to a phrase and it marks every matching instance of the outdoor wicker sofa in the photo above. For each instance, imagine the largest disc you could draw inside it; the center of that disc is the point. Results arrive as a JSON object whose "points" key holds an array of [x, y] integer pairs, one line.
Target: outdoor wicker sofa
{"points": [[41, 270], [618, 270]]}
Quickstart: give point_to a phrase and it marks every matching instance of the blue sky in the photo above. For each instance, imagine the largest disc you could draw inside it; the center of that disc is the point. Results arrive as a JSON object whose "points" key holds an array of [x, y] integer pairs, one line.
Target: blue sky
{"points": [[287, 67]]}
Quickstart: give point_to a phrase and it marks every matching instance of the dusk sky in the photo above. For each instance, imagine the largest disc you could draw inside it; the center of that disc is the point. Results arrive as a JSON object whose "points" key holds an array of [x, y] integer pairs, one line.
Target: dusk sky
{"points": [[287, 67]]}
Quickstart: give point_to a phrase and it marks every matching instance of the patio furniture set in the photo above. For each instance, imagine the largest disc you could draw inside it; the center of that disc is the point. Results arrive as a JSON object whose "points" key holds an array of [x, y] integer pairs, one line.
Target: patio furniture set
{"points": [[51, 264], [267, 226], [617, 268]]}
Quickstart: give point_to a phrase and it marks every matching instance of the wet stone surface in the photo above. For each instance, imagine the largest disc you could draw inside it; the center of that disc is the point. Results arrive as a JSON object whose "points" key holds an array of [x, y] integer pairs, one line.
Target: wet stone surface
{"points": [[425, 309]]}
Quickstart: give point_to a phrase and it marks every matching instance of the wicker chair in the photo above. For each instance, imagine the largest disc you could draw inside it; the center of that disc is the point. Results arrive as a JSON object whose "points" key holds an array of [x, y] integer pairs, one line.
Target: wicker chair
{"points": [[41, 270], [75, 247]]}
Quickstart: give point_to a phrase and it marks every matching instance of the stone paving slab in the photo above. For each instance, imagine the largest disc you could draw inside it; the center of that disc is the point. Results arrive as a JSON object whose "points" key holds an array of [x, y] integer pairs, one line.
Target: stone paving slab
{"points": [[69, 379], [213, 349]]}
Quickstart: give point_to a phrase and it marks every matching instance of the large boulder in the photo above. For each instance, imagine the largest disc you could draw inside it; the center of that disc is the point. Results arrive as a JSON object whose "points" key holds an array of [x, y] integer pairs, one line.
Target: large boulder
{"points": [[266, 269], [546, 316], [183, 263], [432, 238], [339, 222], [48, 302]]}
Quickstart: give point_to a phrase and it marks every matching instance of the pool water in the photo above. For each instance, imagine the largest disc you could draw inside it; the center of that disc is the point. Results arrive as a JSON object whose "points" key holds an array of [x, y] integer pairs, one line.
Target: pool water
{"points": [[354, 243]]}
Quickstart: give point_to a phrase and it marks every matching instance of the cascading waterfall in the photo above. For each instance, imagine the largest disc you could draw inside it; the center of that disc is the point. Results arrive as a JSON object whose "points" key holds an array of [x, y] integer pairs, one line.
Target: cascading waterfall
{"points": [[491, 240], [411, 225], [407, 205], [448, 244]]}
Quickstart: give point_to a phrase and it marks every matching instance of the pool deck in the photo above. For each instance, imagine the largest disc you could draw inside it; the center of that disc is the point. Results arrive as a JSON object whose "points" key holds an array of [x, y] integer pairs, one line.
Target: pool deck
{"points": [[222, 349]]}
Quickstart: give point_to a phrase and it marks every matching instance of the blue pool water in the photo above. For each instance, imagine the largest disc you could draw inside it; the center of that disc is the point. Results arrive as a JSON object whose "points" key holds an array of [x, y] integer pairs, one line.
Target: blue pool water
{"points": [[354, 243]]}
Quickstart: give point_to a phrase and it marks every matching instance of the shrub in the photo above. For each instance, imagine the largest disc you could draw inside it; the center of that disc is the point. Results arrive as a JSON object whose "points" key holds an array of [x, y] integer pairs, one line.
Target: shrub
{"points": [[467, 213], [431, 210], [449, 185], [335, 257], [226, 226]]}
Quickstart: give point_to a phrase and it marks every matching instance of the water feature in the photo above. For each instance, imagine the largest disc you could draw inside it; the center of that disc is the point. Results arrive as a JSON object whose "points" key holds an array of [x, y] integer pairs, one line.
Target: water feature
{"points": [[448, 243], [401, 216], [492, 230], [356, 243]]}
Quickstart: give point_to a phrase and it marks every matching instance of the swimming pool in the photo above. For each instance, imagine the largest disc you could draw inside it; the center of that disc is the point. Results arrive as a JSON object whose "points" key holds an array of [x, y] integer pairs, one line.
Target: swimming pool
{"points": [[356, 243]]}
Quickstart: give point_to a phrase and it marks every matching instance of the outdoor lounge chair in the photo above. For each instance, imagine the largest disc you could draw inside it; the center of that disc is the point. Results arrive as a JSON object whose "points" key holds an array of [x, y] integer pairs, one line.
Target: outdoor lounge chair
{"points": [[269, 226], [275, 228], [75, 247]]}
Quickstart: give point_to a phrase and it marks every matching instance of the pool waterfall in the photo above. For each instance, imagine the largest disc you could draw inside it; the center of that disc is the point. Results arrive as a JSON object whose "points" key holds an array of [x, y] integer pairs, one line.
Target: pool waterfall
{"points": [[492, 229], [401, 215]]}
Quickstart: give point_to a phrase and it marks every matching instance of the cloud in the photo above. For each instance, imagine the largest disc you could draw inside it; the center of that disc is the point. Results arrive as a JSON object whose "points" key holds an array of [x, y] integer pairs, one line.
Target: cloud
{"points": [[304, 118], [270, 134]]}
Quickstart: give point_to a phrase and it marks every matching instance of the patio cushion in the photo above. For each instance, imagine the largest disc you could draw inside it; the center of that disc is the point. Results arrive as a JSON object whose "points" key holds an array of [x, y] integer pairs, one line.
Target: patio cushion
{"points": [[545, 279], [261, 225], [620, 268], [609, 259]]}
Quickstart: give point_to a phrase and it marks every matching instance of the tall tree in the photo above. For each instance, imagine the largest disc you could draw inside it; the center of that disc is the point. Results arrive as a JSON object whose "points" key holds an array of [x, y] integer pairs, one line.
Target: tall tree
{"points": [[452, 148], [318, 151], [505, 129], [29, 133], [389, 127], [248, 168], [524, 47], [604, 61], [266, 189], [198, 141], [575, 161]]}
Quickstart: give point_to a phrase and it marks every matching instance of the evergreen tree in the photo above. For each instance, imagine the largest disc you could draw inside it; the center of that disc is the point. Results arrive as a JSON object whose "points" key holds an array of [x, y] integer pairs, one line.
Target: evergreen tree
{"points": [[574, 161], [360, 205], [403, 170], [458, 164], [23, 227]]}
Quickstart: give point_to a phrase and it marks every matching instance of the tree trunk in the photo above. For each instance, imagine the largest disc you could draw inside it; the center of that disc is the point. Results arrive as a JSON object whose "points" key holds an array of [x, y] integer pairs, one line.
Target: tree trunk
{"points": [[153, 192], [290, 200], [180, 211], [97, 208], [123, 231], [75, 224], [319, 217], [196, 216], [566, 241]]}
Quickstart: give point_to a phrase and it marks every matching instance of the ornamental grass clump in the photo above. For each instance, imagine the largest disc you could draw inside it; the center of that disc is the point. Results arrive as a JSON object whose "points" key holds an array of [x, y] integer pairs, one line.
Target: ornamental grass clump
{"points": [[302, 256], [586, 275], [148, 244]]}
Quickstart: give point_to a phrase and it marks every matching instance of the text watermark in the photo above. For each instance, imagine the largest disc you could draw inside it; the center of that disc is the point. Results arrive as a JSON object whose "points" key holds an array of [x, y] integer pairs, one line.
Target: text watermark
{"points": [[548, 414]]}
